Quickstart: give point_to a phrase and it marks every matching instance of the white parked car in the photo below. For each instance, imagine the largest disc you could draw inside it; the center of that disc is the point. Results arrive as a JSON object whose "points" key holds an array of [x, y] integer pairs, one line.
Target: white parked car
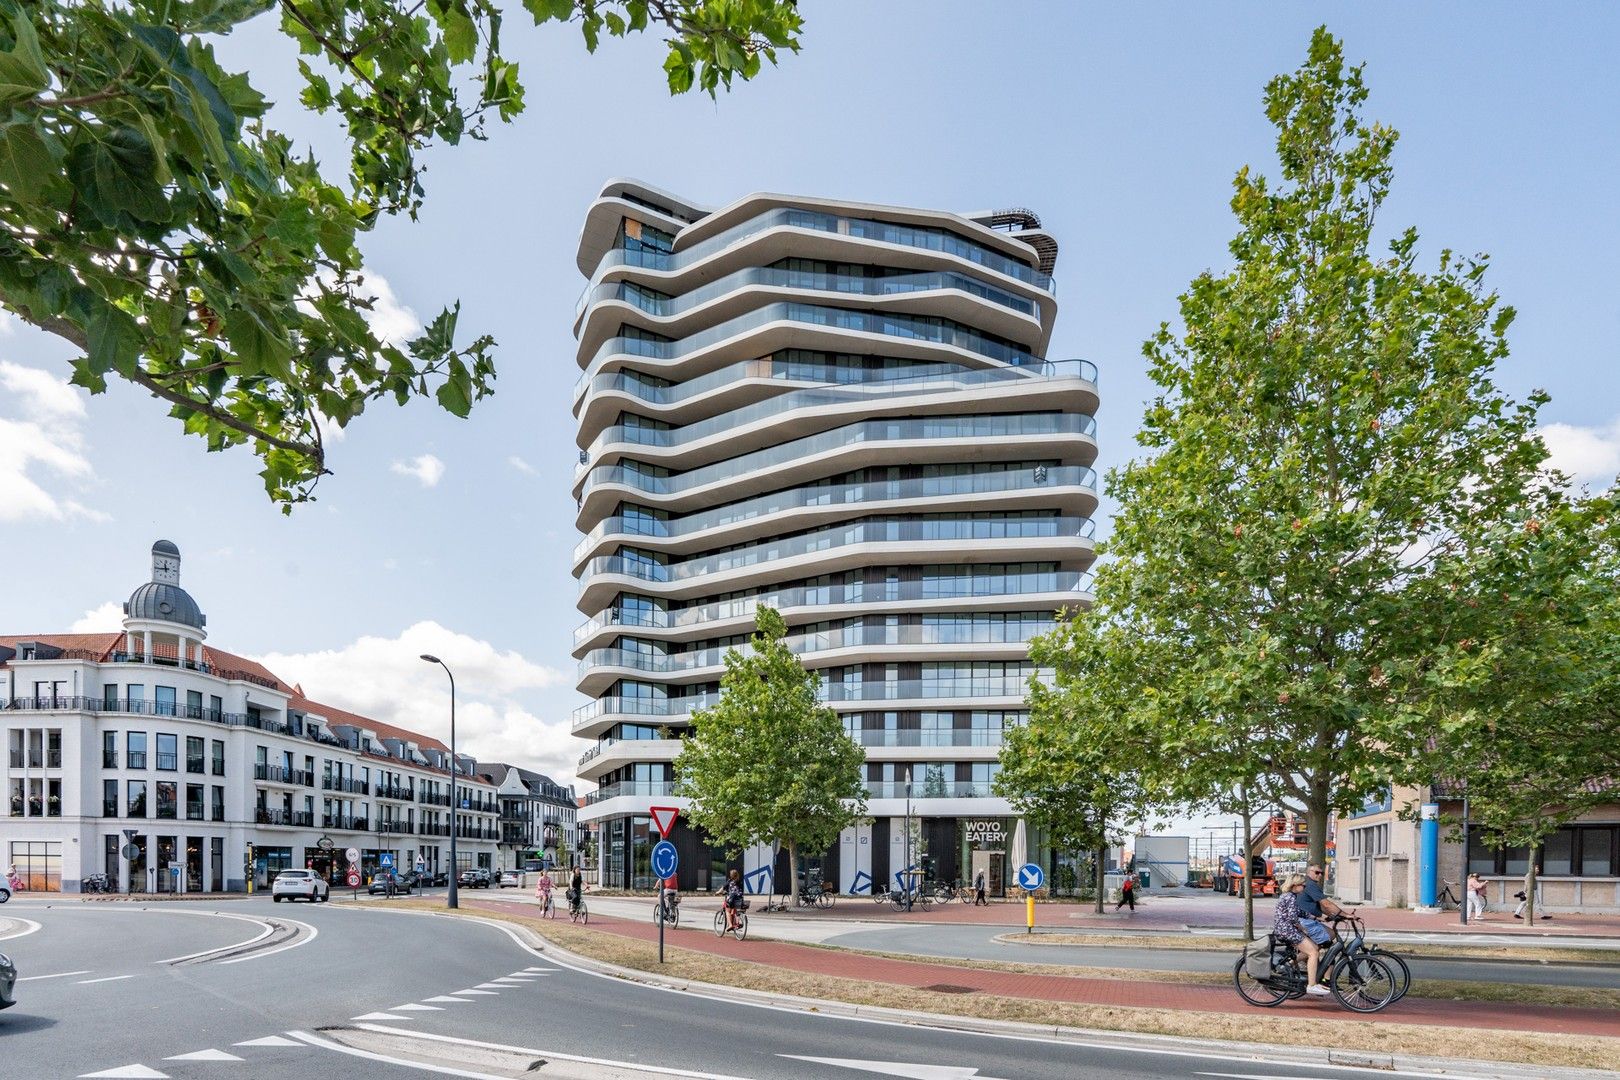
{"points": [[510, 879], [291, 884]]}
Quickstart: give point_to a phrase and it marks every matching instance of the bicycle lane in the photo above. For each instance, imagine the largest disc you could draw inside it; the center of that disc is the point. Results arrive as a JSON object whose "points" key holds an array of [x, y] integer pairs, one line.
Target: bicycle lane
{"points": [[1122, 993]]}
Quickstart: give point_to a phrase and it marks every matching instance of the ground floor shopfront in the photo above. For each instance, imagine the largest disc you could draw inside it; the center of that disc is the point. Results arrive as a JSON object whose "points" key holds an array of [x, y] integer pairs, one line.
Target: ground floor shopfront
{"points": [[187, 857], [872, 854]]}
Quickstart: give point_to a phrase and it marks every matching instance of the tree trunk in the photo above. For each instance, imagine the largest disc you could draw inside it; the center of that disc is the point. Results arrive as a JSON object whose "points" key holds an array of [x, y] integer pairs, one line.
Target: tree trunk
{"points": [[1316, 825], [1248, 872], [1101, 864], [793, 875], [1530, 893]]}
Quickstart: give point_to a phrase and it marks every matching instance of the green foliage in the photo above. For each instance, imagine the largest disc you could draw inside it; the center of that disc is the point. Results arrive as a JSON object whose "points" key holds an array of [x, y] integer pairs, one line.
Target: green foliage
{"points": [[1326, 438], [151, 218], [770, 762]]}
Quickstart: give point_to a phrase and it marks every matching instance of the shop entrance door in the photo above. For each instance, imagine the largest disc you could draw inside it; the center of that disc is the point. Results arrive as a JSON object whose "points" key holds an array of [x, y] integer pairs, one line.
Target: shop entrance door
{"points": [[993, 864], [1366, 879]]}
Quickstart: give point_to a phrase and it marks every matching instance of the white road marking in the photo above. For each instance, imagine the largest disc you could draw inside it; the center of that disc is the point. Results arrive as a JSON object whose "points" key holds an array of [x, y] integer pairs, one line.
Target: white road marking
{"points": [[447, 997], [58, 975], [443, 1070], [260, 936], [29, 926], [378, 1016], [127, 1072], [268, 1040], [661, 1070], [106, 978], [313, 934], [543, 971], [495, 986], [486, 993], [509, 980], [416, 1008], [900, 1068], [204, 1055]]}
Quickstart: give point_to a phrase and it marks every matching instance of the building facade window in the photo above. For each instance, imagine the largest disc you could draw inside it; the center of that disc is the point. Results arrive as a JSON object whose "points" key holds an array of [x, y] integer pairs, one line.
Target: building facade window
{"points": [[168, 752]]}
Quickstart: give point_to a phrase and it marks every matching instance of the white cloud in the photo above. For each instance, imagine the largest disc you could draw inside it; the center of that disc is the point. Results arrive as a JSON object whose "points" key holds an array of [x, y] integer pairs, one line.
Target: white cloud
{"points": [[427, 469], [390, 320], [101, 619], [45, 429], [521, 466], [386, 679], [1590, 455]]}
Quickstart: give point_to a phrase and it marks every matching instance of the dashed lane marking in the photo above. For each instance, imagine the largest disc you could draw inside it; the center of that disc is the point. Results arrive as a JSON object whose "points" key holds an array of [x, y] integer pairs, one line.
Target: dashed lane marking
{"points": [[413, 1007], [485, 993], [379, 1016], [204, 1055], [494, 986], [105, 978], [447, 997], [126, 1072], [58, 975], [268, 1040]]}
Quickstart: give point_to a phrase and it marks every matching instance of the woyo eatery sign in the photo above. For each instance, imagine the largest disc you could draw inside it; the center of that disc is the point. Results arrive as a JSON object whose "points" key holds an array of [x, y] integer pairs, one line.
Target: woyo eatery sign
{"points": [[988, 831]]}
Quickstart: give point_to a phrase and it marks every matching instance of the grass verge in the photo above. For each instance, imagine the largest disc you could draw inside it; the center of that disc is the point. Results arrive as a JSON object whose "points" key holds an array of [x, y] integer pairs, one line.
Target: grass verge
{"points": [[1532, 1048]]}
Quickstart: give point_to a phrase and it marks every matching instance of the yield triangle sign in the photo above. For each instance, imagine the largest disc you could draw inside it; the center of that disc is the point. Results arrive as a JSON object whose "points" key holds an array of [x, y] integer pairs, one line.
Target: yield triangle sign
{"points": [[663, 818]]}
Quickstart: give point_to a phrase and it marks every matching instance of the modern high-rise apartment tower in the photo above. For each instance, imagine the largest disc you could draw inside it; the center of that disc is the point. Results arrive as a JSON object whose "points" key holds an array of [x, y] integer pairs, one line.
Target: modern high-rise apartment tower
{"points": [[845, 411]]}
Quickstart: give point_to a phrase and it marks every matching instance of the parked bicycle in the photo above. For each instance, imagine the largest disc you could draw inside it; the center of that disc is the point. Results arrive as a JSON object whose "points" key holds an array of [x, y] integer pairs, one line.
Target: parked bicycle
{"points": [[96, 883], [1271, 972], [1448, 899], [901, 898], [946, 892], [816, 894]]}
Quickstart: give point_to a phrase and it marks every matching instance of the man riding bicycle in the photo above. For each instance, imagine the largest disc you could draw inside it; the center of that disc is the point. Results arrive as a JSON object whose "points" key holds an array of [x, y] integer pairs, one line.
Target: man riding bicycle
{"points": [[1314, 903]]}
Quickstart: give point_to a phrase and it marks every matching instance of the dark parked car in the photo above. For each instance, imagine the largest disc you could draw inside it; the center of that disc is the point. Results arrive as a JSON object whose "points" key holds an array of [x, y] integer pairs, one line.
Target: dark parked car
{"points": [[476, 878], [379, 884], [427, 879]]}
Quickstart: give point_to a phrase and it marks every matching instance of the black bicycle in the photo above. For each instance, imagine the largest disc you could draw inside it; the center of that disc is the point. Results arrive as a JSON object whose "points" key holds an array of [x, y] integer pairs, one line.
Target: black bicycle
{"points": [[1359, 944], [576, 907], [667, 908], [1271, 973], [1447, 900]]}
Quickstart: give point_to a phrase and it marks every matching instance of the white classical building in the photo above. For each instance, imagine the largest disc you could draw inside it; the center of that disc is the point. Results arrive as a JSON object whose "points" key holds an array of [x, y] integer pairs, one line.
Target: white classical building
{"points": [[170, 765], [848, 412]]}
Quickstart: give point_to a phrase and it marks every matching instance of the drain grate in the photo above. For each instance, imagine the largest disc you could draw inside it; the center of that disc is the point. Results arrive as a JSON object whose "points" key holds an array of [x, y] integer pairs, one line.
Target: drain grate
{"points": [[948, 988]]}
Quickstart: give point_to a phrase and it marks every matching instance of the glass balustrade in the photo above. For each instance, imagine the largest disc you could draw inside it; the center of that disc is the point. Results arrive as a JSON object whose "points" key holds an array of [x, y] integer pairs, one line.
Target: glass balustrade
{"points": [[914, 236], [930, 737], [972, 633], [908, 327], [929, 789], [926, 487], [939, 588], [785, 278], [641, 788], [725, 422], [866, 431], [989, 686], [865, 532], [777, 368]]}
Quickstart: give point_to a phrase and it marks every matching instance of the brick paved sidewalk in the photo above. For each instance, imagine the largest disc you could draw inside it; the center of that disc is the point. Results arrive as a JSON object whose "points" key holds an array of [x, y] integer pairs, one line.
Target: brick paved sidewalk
{"points": [[1115, 992]]}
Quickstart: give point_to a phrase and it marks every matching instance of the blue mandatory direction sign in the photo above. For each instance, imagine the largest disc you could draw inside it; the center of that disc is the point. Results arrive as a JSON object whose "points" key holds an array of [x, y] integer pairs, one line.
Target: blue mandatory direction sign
{"points": [[665, 859], [386, 861], [1031, 877]]}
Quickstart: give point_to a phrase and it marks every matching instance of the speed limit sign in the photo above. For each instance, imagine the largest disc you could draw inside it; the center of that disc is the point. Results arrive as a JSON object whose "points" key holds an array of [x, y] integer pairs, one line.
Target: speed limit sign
{"points": [[354, 878]]}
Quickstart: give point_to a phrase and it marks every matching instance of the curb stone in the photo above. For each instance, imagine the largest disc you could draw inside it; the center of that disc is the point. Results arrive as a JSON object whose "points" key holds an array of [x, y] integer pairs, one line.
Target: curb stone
{"points": [[1258, 1052]]}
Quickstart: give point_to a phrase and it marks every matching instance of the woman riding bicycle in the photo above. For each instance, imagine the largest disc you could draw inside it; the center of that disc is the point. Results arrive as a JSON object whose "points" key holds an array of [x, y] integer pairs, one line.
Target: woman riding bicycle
{"points": [[733, 891], [1288, 929], [542, 892], [576, 889]]}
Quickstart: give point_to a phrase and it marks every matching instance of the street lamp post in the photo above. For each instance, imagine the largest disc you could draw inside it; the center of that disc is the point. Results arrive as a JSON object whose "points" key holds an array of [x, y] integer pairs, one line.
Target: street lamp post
{"points": [[910, 877], [451, 900]]}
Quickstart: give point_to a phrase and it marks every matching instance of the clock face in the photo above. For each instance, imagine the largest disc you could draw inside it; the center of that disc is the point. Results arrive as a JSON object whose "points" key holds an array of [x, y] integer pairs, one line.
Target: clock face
{"points": [[166, 568]]}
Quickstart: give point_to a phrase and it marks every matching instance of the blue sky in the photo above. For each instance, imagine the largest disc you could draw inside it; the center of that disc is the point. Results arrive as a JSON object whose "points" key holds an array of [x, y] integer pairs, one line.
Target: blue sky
{"points": [[1121, 127]]}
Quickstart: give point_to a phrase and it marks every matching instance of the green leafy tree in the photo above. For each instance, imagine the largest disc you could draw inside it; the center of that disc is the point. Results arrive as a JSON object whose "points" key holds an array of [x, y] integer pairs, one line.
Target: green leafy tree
{"points": [[1523, 713], [1068, 769], [150, 217], [770, 763], [1325, 436]]}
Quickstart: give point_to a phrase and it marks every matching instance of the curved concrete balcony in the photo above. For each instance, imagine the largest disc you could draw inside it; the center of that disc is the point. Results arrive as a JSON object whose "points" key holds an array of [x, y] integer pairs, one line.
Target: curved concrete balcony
{"points": [[792, 324], [600, 668], [1069, 489], [608, 754], [1071, 437], [990, 692], [1044, 591], [940, 293], [799, 413], [1053, 539]]}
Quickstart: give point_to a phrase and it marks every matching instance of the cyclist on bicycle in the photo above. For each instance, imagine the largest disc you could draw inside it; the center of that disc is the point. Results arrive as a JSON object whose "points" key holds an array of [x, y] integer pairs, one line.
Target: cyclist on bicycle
{"points": [[576, 889], [669, 896], [1288, 928], [733, 891], [1313, 904], [542, 891]]}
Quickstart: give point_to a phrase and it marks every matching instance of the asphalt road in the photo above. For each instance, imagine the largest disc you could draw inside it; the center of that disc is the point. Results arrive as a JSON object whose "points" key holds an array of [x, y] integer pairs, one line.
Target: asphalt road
{"points": [[103, 996]]}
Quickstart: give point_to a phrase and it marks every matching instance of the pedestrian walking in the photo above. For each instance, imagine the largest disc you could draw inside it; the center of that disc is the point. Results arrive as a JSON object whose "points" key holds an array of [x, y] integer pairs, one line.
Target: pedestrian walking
{"points": [[1127, 892], [1518, 912], [978, 890], [1474, 890]]}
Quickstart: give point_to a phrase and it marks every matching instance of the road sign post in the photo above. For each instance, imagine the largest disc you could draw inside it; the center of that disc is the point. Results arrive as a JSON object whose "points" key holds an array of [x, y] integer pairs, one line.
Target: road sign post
{"points": [[1030, 878], [665, 861]]}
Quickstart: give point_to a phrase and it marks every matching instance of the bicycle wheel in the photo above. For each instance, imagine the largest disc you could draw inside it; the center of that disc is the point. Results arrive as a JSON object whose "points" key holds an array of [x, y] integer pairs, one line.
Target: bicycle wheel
{"points": [[825, 900], [1363, 983], [657, 915], [742, 925], [1403, 974], [880, 897], [1253, 991], [584, 913]]}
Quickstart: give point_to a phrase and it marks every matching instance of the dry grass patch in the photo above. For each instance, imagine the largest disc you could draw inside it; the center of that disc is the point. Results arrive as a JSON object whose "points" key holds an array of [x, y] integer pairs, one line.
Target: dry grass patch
{"points": [[1531, 1048]]}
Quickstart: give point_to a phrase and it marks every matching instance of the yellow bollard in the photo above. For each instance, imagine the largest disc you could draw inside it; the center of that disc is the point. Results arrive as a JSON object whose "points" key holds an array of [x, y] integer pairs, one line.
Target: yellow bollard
{"points": [[1029, 913]]}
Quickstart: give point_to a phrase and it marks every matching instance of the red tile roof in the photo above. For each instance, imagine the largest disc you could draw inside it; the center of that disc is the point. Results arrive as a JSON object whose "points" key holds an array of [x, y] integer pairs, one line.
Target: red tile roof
{"points": [[100, 644]]}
